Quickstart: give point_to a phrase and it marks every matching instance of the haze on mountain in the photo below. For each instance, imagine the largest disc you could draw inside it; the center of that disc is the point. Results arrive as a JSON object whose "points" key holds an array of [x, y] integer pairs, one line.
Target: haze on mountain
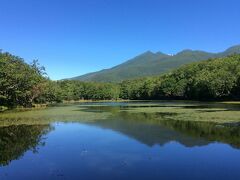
{"points": [[150, 64]]}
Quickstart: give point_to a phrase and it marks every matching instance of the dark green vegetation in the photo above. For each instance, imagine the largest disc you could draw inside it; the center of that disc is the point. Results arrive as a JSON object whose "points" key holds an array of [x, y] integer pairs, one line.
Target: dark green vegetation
{"points": [[77, 90], [149, 63], [213, 79], [24, 85]]}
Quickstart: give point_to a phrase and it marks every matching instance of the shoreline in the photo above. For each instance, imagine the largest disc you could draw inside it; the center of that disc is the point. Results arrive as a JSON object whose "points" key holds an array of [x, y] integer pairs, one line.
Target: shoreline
{"points": [[40, 106]]}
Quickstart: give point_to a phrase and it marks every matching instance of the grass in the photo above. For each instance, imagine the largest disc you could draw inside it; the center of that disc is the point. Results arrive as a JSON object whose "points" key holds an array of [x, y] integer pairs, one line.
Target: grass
{"points": [[67, 113], [221, 113], [217, 115]]}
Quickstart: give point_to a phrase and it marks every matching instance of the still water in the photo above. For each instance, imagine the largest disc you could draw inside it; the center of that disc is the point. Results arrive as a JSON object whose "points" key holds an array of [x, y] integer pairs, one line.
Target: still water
{"points": [[115, 144]]}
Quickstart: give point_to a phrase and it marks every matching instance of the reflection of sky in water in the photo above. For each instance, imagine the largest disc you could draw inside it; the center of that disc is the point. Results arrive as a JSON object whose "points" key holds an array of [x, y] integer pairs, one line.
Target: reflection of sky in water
{"points": [[81, 151]]}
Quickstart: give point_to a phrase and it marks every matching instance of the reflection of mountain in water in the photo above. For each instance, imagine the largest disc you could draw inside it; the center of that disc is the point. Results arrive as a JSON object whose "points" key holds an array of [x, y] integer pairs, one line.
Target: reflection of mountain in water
{"points": [[16, 140], [151, 129], [142, 128]]}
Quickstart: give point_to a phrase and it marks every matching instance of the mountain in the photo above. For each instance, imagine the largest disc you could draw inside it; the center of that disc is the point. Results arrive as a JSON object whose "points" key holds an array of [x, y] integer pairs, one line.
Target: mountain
{"points": [[149, 64]]}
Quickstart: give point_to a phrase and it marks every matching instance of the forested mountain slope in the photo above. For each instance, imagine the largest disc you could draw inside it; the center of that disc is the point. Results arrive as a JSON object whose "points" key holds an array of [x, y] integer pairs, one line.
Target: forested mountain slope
{"points": [[149, 63]]}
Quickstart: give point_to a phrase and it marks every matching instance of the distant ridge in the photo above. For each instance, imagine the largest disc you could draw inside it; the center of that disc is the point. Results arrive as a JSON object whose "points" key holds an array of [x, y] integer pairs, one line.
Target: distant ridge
{"points": [[149, 64]]}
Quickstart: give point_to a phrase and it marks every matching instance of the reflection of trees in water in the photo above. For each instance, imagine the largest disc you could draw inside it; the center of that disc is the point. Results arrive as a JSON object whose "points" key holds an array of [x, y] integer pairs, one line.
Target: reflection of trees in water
{"points": [[16, 140], [204, 130], [151, 128], [209, 131]]}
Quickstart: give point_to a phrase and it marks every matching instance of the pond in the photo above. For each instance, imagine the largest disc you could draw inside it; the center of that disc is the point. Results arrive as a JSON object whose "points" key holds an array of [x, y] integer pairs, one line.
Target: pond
{"points": [[140, 140]]}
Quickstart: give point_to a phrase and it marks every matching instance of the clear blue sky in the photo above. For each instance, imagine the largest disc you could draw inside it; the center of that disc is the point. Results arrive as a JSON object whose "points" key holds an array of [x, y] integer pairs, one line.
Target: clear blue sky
{"points": [[73, 37]]}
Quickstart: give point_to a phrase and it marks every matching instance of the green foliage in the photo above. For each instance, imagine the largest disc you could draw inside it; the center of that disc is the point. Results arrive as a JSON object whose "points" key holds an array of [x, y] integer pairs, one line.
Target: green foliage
{"points": [[20, 83], [76, 90], [211, 79]]}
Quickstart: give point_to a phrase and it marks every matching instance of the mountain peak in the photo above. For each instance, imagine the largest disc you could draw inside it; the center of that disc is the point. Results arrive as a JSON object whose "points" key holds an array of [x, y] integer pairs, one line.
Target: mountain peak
{"points": [[147, 53]]}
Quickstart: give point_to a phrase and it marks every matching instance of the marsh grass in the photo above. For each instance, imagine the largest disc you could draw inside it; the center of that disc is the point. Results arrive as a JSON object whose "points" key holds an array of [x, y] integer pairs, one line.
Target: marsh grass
{"points": [[217, 115], [48, 115], [162, 110], [217, 112]]}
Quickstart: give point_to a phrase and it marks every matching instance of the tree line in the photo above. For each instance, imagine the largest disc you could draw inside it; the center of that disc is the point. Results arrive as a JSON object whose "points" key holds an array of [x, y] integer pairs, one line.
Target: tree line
{"points": [[212, 79], [23, 84]]}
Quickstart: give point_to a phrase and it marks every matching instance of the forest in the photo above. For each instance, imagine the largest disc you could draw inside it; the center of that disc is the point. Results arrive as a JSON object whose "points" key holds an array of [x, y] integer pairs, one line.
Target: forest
{"points": [[212, 79], [24, 85]]}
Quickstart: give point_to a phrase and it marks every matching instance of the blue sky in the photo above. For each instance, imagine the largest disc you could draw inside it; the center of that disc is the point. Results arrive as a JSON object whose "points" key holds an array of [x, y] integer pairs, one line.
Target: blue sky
{"points": [[73, 37]]}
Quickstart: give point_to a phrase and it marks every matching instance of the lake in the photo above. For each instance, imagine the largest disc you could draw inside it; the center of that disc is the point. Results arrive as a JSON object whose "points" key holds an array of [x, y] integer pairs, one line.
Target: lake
{"points": [[131, 140]]}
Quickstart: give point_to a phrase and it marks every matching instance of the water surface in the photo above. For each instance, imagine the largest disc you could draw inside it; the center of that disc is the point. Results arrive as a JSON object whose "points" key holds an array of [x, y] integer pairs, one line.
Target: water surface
{"points": [[109, 141]]}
